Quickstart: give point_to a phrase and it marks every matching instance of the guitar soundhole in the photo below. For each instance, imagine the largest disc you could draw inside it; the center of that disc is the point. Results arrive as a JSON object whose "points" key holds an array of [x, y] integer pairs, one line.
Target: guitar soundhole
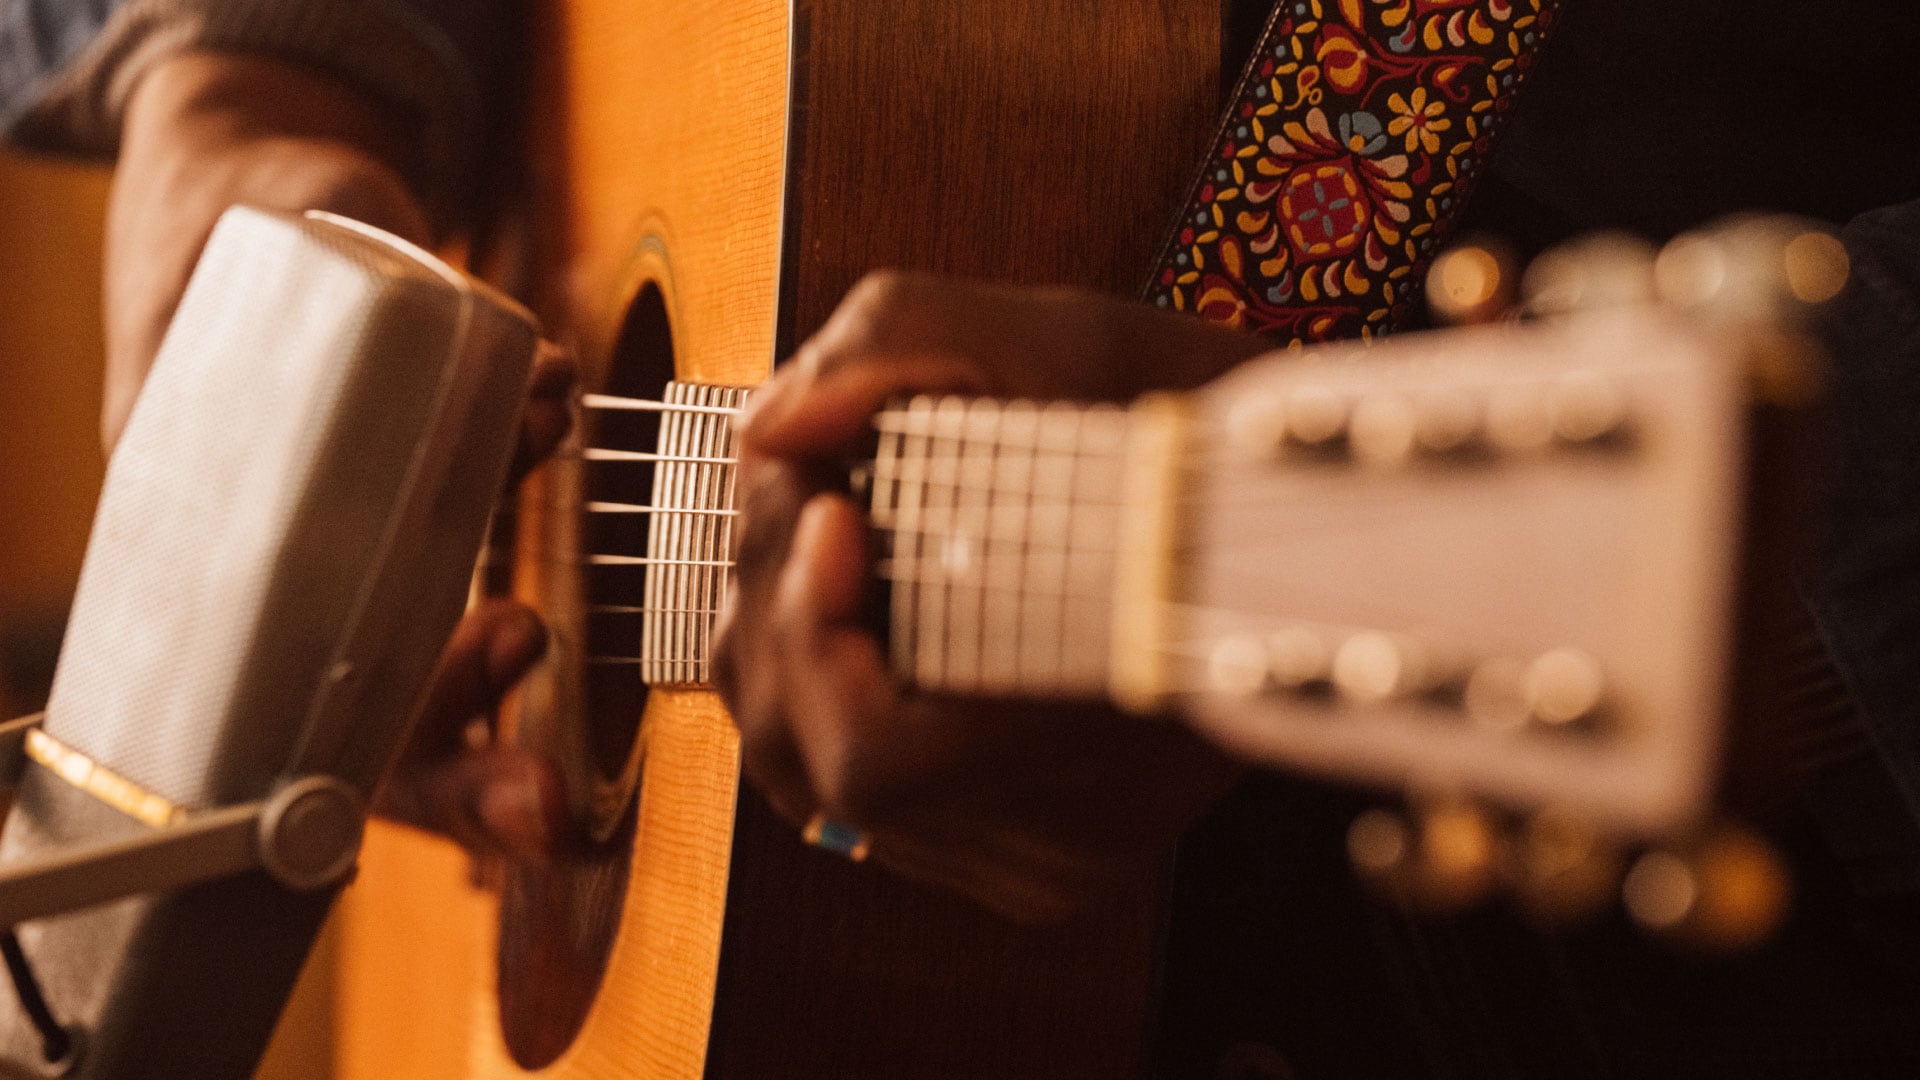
{"points": [[615, 691], [558, 923]]}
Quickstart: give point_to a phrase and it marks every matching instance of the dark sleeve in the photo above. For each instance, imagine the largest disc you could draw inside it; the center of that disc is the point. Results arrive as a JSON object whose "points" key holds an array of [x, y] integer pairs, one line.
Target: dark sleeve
{"points": [[66, 66], [1865, 588]]}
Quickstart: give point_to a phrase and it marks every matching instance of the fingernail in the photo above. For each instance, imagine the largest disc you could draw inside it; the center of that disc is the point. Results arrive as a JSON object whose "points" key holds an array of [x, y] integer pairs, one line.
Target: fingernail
{"points": [[514, 815]]}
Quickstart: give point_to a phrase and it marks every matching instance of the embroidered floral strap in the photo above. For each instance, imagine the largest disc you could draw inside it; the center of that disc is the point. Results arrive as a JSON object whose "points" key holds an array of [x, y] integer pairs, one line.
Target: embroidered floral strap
{"points": [[1355, 134]]}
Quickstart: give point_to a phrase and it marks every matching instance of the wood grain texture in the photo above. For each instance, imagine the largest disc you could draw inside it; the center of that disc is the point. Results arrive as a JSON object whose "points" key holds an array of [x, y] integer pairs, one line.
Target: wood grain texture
{"points": [[414, 932]]}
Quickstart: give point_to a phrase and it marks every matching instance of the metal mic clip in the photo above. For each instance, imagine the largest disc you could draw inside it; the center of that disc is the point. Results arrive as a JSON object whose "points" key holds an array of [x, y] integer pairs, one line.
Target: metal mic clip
{"points": [[306, 835]]}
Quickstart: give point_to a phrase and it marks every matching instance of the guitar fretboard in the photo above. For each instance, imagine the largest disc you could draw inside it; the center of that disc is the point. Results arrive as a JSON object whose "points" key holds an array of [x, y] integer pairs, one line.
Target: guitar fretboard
{"points": [[690, 539], [999, 523]]}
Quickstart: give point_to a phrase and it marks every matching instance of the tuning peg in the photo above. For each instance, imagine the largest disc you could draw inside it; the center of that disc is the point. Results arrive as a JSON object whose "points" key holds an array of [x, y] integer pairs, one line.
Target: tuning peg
{"points": [[1604, 271], [1474, 282], [1564, 871], [1726, 893], [1558, 688], [1586, 409], [1292, 660], [1371, 667], [1460, 850], [1237, 666], [1444, 860], [1753, 267], [1313, 419], [1384, 431], [1563, 687], [1317, 418]]}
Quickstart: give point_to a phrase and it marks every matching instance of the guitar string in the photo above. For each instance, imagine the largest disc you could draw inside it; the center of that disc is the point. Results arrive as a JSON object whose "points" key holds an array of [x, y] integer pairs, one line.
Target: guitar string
{"points": [[596, 453], [636, 508], [962, 449], [1073, 458], [615, 403]]}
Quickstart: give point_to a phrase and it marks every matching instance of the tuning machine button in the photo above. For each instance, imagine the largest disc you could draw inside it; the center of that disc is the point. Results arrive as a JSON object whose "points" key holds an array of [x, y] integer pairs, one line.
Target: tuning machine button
{"points": [[1609, 270], [1298, 659], [1237, 666], [1445, 857], [1472, 283], [1371, 668], [1384, 431], [1311, 420], [1293, 660], [1586, 409], [1564, 686], [1756, 267], [1317, 419], [1727, 892]]}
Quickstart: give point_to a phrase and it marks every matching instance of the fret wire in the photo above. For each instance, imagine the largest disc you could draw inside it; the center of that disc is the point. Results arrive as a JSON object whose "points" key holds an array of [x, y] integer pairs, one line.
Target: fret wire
{"points": [[600, 453], [626, 404], [636, 508], [991, 488], [674, 586], [699, 628], [931, 596], [672, 577], [690, 533], [1052, 482], [906, 545], [730, 497], [650, 598], [967, 603], [884, 500], [1072, 657], [1010, 536]]}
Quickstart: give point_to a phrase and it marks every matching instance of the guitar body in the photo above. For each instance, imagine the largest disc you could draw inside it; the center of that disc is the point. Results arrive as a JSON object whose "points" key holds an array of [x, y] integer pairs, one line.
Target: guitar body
{"points": [[710, 180]]}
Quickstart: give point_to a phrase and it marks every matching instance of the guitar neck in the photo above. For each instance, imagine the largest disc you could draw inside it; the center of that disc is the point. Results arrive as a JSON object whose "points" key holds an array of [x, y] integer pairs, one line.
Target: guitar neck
{"points": [[1002, 528], [1498, 562]]}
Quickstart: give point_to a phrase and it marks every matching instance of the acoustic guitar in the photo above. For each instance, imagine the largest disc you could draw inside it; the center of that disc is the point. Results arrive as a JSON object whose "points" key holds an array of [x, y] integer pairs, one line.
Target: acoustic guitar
{"points": [[710, 180], [810, 144]]}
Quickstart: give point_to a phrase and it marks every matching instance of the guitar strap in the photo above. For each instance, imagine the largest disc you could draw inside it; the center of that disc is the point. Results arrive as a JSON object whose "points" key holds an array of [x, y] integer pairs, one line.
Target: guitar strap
{"points": [[1350, 145]]}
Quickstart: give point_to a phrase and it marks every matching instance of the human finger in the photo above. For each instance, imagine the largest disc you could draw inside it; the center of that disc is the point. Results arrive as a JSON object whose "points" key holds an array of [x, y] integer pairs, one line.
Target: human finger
{"points": [[490, 800], [491, 648], [549, 414]]}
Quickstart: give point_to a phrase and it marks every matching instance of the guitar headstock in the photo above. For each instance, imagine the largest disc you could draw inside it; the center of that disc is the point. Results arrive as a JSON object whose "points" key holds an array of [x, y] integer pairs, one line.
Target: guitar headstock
{"points": [[1499, 562], [1503, 570]]}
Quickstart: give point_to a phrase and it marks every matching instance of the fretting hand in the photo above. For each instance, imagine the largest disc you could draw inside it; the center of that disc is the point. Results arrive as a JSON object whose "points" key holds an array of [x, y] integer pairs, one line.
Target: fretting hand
{"points": [[1029, 807]]}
